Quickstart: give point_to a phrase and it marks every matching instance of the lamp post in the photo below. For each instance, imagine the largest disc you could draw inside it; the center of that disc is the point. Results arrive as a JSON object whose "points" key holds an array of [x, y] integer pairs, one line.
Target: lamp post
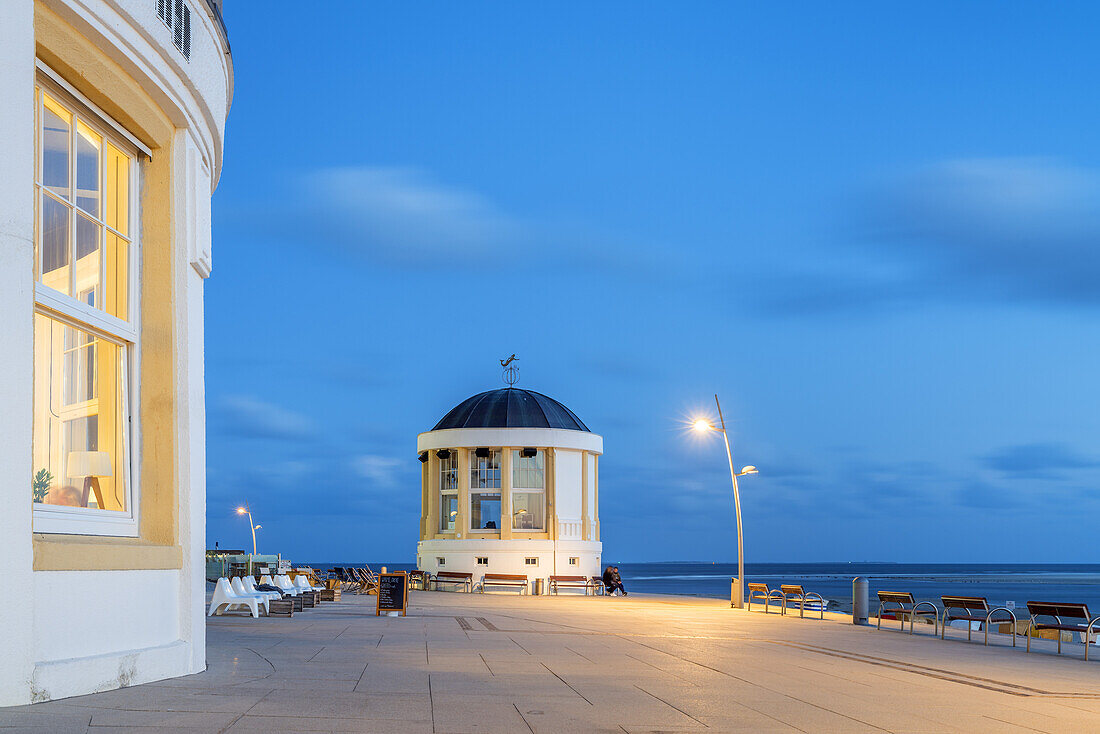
{"points": [[703, 425], [245, 511]]}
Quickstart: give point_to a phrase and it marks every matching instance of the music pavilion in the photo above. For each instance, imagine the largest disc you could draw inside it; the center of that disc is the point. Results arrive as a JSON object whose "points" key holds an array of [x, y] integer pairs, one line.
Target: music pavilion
{"points": [[510, 484]]}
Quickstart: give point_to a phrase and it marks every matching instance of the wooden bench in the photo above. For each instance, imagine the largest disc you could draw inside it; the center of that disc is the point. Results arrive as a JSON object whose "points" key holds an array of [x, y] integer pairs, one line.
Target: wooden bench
{"points": [[760, 592], [906, 606], [972, 609], [454, 577], [599, 588], [1059, 611], [574, 582], [802, 596], [505, 579]]}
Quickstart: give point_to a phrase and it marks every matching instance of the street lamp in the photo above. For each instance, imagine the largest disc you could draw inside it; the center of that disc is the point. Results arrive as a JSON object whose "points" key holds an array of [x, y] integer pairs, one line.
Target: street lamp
{"points": [[246, 511], [702, 425]]}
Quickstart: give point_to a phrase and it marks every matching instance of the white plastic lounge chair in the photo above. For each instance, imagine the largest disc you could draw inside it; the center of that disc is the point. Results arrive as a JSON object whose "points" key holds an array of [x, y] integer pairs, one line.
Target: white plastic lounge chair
{"points": [[266, 580], [225, 599], [304, 585], [250, 586], [239, 590], [284, 583]]}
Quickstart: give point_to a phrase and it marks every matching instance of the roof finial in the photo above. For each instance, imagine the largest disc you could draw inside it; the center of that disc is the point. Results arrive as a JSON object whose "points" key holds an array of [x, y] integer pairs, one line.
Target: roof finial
{"points": [[511, 372]]}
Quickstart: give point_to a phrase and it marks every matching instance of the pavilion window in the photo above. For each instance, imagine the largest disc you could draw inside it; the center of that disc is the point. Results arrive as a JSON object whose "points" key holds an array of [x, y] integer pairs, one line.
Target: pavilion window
{"points": [[485, 490], [528, 490], [85, 328], [448, 490]]}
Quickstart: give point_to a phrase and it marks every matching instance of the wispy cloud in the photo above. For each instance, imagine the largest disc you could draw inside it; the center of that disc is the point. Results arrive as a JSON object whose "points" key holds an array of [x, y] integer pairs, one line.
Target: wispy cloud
{"points": [[253, 418], [1038, 461], [971, 229], [382, 470]]}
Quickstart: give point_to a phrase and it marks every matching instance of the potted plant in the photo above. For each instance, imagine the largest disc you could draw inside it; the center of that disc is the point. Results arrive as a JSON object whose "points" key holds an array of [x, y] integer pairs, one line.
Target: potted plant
{"points": [[40, 485]]}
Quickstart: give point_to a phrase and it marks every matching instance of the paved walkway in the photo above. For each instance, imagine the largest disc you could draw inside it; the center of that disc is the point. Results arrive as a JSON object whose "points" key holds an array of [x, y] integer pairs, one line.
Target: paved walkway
{"points": [[473, 663]]}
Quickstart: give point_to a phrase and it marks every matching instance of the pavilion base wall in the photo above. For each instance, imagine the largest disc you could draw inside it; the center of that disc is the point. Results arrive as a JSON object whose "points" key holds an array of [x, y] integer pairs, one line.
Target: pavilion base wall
{"points": [[510, 556]]}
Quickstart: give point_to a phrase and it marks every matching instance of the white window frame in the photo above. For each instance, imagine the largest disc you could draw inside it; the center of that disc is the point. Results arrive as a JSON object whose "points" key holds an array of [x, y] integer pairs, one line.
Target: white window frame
{"points": [[527, 561], [517, 456], [450, 469], [68, 310]]}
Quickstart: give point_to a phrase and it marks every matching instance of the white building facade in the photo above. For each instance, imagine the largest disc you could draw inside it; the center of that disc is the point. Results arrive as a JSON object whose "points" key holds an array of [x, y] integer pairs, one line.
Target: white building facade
{"points": [[113, 122], [510, 484]]}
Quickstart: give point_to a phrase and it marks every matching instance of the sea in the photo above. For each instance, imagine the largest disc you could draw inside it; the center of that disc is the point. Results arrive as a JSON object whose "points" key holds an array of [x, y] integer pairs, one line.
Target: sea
{"points": [[999, 583]]}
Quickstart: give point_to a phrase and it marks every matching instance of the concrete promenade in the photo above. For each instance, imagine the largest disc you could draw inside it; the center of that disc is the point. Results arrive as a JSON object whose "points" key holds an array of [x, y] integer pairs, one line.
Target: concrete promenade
{"points": [[500, 663]]}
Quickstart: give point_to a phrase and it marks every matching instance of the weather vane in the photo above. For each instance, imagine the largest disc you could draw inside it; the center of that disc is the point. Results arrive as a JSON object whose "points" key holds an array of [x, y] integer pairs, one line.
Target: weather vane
{"points": [[511, 371]]}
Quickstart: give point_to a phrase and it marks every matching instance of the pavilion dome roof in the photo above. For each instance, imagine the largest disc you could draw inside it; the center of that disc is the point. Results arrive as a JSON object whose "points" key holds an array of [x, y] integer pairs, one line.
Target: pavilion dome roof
{"points": [[511, 407]]}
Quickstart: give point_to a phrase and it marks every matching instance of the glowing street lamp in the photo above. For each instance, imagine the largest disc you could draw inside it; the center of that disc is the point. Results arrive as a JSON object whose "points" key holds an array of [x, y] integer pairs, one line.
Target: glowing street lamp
{"points": [[245, 511], [702, 425]]}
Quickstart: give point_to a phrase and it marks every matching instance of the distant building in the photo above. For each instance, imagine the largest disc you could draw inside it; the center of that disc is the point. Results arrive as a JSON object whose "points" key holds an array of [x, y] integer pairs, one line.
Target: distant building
{"points": [[510, 484], [113, 121]]}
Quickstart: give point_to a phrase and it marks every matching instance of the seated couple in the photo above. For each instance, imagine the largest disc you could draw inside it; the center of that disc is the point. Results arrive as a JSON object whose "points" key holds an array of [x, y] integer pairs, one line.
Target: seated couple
{"points": [[613, 581]]}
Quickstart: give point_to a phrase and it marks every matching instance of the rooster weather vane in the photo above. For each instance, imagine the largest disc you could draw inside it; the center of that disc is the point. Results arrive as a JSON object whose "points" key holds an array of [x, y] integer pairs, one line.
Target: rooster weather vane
{"points": [[511, 371]]}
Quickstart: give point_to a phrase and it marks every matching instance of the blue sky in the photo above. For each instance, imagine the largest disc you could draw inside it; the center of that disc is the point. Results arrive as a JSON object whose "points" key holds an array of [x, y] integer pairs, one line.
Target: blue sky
{"points": [[870, 228]]}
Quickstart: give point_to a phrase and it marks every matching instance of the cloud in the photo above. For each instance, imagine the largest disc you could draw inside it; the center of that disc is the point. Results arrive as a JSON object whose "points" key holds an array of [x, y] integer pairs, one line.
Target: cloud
{"points": [[402, 216], [1038, 461], [969, 229], [382, 470], [252, 418]]}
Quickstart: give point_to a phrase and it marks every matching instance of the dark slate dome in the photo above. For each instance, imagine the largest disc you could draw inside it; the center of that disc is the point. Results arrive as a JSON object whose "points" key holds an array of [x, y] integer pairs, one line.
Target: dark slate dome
{"points": [[511, 407]]}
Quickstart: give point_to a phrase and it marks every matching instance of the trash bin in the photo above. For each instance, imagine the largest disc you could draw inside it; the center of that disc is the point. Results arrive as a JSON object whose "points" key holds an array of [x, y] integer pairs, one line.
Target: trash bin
{"points": [[860, 605], [736, 602], [538, 587]]}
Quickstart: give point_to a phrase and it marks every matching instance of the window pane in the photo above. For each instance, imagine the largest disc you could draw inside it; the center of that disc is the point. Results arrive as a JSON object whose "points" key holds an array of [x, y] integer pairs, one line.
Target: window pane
{"points": [[56, 127], [485, 471], [448, 511], [87, 169], [484, 511], [116, 288], [87, 261], [116, 188], [527, 472], [78, 419], [55, 244], [528, 510]]}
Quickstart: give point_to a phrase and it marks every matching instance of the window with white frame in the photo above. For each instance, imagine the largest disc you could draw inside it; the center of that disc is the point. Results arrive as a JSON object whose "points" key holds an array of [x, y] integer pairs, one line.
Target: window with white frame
{"points": [[448, 490], [530, 561], [483, 560], [485, 490], [528, 490], [574, 561], [85, 321]]}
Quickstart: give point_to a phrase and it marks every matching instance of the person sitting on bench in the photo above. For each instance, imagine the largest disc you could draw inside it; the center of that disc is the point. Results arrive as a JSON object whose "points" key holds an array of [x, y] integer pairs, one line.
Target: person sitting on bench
{"points": [[612, 580]]}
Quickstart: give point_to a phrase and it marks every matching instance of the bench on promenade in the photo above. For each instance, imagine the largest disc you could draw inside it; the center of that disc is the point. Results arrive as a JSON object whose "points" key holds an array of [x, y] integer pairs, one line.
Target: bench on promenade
{"points": [[1061, 611], [797, 593], [906, 606], [454, 577], [598, 586], [761, 592], [518, 580], [972, 609], [570, 582]]}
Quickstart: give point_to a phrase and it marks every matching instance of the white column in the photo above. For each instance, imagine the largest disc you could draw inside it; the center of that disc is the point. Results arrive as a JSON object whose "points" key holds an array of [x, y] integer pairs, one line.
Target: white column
{"points": [[16, 336], [192, 190]]}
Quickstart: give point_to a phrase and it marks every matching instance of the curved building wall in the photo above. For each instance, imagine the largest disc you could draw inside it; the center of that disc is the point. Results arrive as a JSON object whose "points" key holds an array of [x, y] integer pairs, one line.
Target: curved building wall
{"points": [[110, 604]]}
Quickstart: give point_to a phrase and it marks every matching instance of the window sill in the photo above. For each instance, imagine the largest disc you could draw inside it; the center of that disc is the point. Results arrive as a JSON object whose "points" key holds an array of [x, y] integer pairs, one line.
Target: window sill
{"points": [[89, 553]]}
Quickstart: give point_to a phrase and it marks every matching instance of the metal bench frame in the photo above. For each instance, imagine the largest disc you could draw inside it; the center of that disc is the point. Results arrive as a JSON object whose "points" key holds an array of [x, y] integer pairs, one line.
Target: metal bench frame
{"points": [[912, 612], [488, 580], [972, 602], [1058, 625], [768, 596], [575, 582], [796, 590], [466, 580]]}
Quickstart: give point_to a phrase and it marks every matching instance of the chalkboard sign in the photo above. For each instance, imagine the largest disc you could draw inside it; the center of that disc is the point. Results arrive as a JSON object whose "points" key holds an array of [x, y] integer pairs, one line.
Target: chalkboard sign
{"points": [[393, 592]]}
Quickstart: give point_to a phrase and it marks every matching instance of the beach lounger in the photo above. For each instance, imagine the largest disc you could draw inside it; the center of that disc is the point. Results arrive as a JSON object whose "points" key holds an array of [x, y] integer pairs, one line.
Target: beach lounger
{"points": [[972, 609], [761, 592], [797, 593], [302, 583], [1082, 622], [250, 586], [239, 589], [906, 606], [226, 599]]}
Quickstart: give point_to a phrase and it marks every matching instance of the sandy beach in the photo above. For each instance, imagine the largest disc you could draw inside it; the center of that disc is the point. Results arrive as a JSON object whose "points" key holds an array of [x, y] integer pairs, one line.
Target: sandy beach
{"points": [[502, 663]]}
